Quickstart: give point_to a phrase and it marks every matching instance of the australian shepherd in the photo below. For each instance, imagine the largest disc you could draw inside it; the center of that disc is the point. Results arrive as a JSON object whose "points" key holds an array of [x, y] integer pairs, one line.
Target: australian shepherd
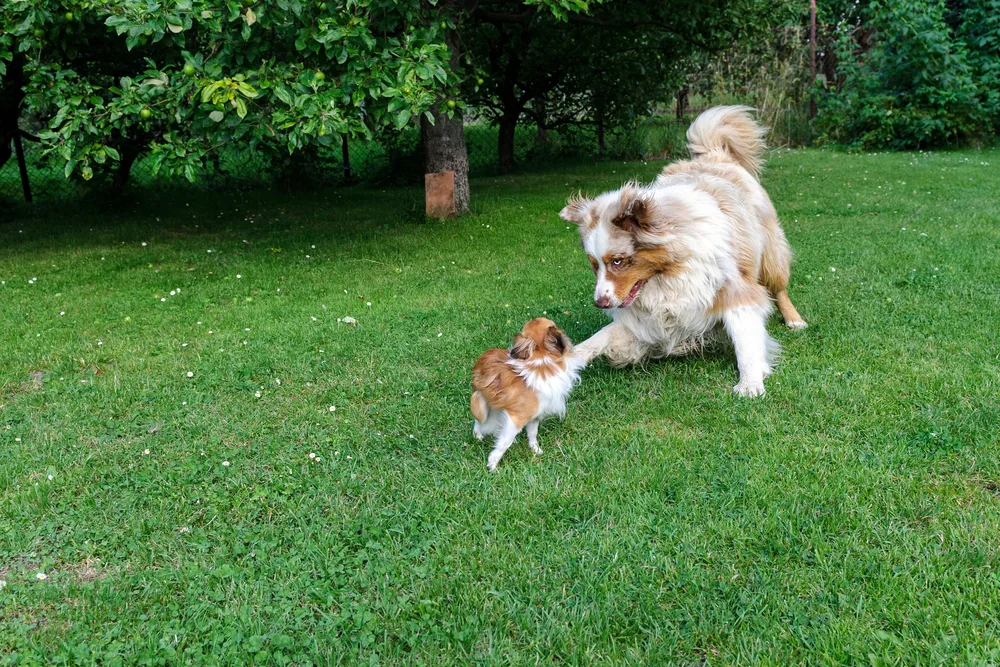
{"points": [[698, 248]]}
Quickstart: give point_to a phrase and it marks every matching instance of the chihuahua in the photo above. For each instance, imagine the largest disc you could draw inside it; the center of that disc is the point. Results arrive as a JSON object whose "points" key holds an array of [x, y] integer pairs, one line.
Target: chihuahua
{"points": [[519, 387]]}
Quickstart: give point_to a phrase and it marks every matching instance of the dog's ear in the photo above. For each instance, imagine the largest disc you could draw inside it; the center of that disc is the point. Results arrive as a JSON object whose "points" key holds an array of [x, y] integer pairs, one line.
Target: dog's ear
{"points": [[557, 341], [523, 347], [635, 211], [577, 210]]}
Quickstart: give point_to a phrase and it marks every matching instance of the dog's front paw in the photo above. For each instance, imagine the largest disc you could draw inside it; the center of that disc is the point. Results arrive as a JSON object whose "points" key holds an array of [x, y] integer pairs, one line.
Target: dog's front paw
{"points": [[479, 434], [749, 388], [796, 324], [492, 463]]}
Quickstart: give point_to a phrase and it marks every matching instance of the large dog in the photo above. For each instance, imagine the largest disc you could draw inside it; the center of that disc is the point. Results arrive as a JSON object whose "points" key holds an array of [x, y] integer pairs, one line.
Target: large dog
{"points": [[699, 247]]}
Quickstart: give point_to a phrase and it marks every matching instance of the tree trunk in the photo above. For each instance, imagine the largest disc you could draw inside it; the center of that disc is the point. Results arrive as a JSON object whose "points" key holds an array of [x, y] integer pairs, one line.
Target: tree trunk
{"points": [[22, 166], [540, 118], [11, 94], [444, 150], [505, 143], [812, 57], [345, 155], [444, 141], [682, 101], [127, 157]]}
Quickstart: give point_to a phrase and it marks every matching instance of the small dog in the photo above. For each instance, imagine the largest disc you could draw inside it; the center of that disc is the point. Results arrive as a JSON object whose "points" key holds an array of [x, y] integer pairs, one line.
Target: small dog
{"points": [[523, 385]]}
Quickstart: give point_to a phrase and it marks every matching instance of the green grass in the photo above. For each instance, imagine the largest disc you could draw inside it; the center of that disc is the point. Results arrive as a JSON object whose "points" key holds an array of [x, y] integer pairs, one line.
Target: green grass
{"points": [[851, 515]]}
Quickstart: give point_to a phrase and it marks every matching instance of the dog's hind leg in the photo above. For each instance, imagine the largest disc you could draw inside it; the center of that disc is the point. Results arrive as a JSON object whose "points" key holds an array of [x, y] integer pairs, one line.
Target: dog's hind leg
{"points": [[505, 438], [776, 270], [788, 312]]}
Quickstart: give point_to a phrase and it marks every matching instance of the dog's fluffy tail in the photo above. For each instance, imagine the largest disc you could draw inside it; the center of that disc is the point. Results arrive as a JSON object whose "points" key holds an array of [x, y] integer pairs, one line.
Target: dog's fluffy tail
{"points": [[480, 408], [730, 133]]}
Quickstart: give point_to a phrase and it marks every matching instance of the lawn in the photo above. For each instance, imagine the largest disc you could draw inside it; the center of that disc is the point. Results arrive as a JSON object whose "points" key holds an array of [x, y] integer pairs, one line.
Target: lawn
{"points": [[171, 460]]}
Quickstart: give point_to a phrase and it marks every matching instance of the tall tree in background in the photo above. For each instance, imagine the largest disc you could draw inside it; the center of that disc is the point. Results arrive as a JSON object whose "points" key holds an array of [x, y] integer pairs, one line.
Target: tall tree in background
{"points": [[598, 69]]}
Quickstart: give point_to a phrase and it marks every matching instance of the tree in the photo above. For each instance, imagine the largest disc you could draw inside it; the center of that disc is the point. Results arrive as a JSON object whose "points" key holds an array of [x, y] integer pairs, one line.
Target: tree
{"points": [[182, 80], [602, 69]]}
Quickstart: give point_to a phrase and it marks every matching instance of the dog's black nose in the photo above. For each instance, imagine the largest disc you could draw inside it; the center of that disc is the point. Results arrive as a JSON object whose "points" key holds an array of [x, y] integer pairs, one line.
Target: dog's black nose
{"points": [[603, 302]]}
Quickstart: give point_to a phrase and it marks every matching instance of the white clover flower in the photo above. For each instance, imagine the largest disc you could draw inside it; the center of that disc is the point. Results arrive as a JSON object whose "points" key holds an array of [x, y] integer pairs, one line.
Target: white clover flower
{"points": [[173, 292], [257, 394], [225, 463], [144, 244], [238, 275], [163, 299], [190, 374], [312, 455], [145, 452], [333, 408], [41, 576]]}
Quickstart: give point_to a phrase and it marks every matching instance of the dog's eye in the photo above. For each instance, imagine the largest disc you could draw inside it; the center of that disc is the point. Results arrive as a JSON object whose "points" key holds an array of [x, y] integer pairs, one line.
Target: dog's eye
{"points": [[617, 262]]}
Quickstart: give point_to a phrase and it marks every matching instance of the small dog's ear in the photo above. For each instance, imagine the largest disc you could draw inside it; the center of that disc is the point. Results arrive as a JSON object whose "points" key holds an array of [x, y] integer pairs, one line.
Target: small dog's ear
{"points": [[522, 348], [634, 211], [577, 210], [557, 341]]}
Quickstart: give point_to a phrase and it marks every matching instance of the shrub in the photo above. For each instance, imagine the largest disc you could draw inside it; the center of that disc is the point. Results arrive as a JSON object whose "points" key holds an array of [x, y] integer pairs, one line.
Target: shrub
{"points": [[914, 87]]}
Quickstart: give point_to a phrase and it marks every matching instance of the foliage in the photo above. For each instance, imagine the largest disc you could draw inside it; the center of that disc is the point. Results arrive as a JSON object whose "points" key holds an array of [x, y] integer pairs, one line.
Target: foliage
{"points": [[181, 78], [915, 86], [848, 517], [980, 30], [606, 69]]}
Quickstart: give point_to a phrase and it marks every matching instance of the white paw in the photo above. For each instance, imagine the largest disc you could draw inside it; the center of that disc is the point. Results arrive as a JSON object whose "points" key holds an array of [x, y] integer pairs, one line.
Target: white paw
{"points": [[750, 388], [535, 449], [492, 463], [797, 324], [478, 434]]}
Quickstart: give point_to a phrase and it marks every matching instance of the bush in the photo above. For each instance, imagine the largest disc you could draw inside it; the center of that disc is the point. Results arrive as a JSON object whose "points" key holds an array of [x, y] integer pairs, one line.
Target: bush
{"points": [[916, 86]]}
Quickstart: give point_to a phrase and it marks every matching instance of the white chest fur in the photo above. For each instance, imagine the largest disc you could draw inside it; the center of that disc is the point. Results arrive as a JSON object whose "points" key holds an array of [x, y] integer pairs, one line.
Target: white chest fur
{"points": [[551, 382]]}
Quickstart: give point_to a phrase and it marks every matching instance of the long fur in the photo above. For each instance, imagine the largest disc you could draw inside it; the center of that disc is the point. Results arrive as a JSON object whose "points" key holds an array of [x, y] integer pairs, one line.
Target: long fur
{"points": [[699, 250], [729, 133], [517, 388]]}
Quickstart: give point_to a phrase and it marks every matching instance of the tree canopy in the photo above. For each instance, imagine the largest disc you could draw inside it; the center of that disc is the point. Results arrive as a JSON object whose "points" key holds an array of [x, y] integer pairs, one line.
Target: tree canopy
{"points": [[180, 79]]}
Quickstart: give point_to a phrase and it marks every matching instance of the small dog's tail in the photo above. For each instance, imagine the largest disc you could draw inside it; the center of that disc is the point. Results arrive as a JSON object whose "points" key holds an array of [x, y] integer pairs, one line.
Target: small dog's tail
{"points": [[480, 408], [729, 133]]}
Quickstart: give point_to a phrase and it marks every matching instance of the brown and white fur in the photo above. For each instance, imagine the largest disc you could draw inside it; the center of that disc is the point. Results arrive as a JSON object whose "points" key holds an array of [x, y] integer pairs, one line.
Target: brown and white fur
{"points": [[698, 248], [519, 387]]}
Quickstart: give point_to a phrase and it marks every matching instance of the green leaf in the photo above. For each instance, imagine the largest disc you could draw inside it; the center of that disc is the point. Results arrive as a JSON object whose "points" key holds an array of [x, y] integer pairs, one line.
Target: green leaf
{"points": [[217, 116], [282, 94], [241, 107]]}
